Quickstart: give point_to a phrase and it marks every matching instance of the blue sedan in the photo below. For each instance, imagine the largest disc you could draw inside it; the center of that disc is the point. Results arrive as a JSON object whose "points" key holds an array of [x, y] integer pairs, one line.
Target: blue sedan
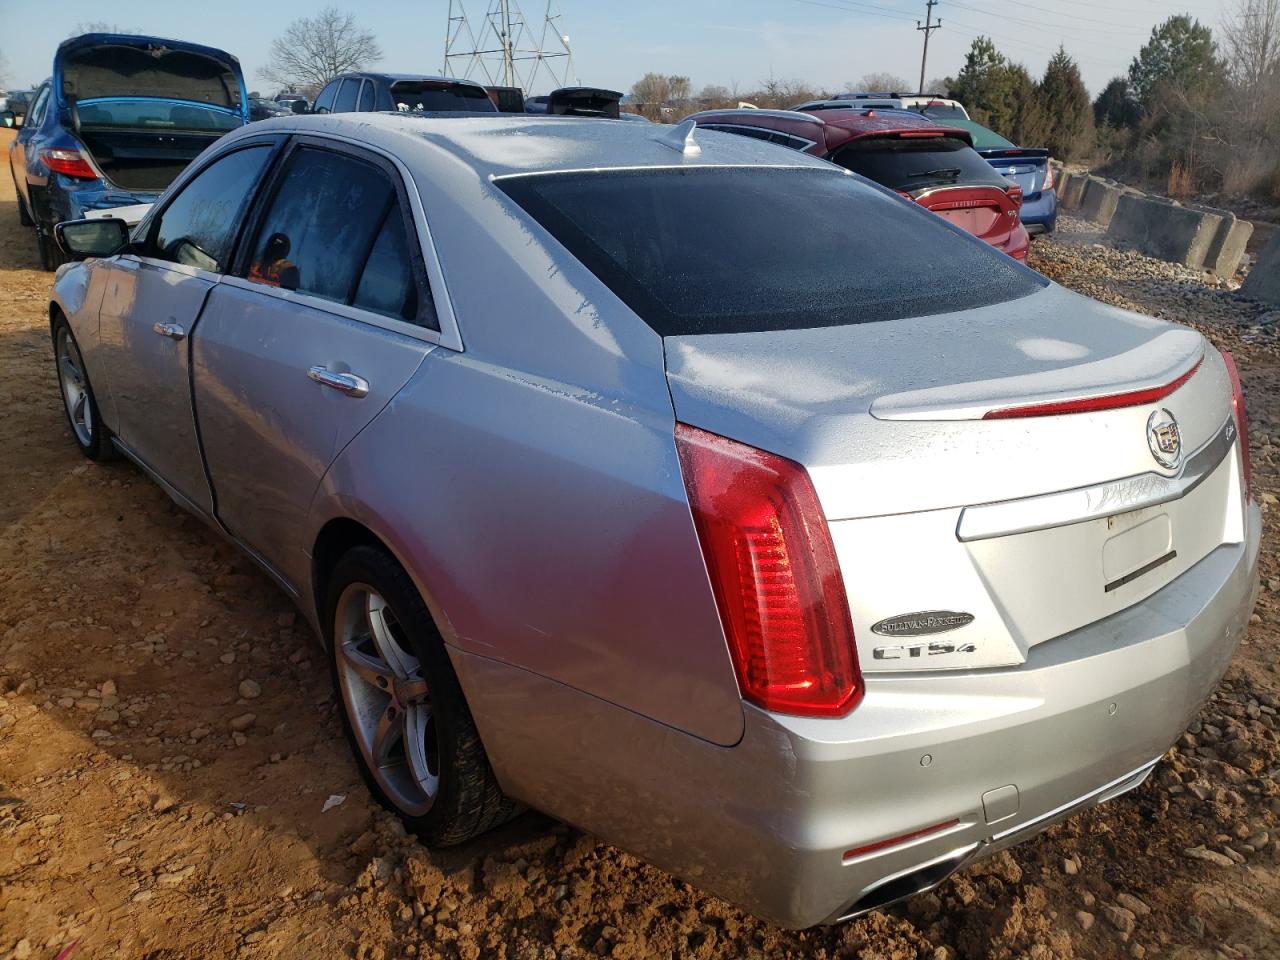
{"points": [[120, 118]]}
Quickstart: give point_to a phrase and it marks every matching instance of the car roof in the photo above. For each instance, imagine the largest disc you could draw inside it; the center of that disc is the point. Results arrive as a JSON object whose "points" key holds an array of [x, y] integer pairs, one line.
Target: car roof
{"points": [[497, 144], [857, 121], [397, 77]]}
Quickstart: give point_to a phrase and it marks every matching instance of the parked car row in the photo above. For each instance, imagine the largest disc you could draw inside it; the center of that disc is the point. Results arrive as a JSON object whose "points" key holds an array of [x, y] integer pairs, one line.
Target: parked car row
{"points": [[698, 492]]}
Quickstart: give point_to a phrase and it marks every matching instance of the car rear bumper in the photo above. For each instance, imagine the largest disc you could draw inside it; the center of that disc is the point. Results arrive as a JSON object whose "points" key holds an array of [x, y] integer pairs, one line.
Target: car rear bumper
{"points": [[998, 755], [1040, 213]]}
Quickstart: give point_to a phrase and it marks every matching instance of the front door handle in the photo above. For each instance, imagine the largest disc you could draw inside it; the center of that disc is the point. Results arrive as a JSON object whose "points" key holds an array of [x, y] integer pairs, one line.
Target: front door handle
{"points": [[170, 330], [345, 383]]}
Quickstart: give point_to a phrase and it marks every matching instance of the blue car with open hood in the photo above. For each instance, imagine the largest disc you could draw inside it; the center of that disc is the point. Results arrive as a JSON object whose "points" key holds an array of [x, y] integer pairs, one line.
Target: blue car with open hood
{"points": [[119, 119]]}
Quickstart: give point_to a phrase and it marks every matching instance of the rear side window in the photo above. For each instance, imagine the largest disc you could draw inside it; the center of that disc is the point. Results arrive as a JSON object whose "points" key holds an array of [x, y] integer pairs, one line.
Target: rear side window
{"points": [[760, 133], [366, 97], [735, 250], [440, 95], [37, 109], [347, 93], [198, 228], [909, 163], [335, 229]]}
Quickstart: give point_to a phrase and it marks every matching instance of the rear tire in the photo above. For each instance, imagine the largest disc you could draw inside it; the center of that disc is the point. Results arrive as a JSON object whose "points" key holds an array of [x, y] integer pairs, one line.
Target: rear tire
{"points": [[402, 707], [87, 429], [24, 217], [51, 255]]}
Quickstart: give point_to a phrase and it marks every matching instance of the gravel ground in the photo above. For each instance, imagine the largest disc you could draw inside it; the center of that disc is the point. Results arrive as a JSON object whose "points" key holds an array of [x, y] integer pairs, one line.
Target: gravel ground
{"points": [[173, 782]]}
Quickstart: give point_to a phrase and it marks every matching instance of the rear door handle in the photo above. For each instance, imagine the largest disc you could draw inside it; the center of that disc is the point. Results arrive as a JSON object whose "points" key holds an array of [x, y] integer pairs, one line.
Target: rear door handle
{"points": [[345, 383], [170, 330]]}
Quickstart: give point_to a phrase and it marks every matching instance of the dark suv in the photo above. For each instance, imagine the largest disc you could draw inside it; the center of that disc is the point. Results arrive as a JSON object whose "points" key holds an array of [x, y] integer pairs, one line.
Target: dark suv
{"points": [[403, 92]]}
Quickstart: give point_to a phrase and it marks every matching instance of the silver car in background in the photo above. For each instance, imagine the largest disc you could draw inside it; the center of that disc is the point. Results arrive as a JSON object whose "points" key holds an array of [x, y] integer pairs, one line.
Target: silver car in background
{"points": [[632, 477]]}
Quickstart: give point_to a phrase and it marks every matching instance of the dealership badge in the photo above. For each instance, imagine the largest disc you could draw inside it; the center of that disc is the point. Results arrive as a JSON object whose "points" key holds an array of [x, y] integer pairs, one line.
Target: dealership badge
{"points": [[1164, 439]]}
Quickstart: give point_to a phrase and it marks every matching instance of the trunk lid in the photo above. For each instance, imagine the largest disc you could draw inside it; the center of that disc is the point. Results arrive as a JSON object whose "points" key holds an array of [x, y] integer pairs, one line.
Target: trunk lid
{"points": [[105, 66], [1026, 166], [983, 210], [994, 534]]}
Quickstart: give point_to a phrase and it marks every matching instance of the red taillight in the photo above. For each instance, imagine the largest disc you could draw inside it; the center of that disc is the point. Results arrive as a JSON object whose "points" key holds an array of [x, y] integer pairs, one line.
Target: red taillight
{"points": [[1014, 193], [1048, 177], [1135, 398], [1242, 421], [71, 163], [774, 572]]}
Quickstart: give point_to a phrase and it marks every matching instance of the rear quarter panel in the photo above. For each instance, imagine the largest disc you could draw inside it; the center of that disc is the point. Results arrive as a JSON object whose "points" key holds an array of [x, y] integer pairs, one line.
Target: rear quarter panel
{"points": [[530, 485]]}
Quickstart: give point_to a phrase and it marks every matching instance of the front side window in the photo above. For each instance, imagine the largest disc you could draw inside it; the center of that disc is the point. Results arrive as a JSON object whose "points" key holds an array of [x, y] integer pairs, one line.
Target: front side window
{"points": [[910, 163], [324, 102], [743, 249], [347, 93], [198, 228]]}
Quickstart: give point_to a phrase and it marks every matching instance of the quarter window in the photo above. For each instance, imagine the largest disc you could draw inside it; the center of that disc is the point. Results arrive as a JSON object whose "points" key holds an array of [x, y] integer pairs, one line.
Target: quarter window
{"points": [[198, 228], [366, 97], [387, 285]]}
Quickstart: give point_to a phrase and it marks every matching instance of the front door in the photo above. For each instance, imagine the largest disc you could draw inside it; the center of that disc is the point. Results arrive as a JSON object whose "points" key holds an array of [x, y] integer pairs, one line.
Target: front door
{"points": [[151, 308], [330, 318]]}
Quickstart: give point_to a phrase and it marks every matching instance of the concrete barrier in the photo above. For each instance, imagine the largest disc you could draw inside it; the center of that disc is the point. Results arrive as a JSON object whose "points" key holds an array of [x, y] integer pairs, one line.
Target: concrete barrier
{"points": [[1061, 183], [1263, 281], [1075, 190], [1164, 229], [1228, 244], [1100, 200]]}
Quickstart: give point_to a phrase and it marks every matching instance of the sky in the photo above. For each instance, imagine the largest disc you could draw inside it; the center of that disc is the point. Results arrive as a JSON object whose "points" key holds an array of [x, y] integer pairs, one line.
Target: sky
{"points": [[735, 43]]}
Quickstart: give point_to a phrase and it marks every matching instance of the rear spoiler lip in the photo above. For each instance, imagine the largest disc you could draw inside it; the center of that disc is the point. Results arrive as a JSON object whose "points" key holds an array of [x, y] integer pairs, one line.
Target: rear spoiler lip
{"points": [[1012, 153]]}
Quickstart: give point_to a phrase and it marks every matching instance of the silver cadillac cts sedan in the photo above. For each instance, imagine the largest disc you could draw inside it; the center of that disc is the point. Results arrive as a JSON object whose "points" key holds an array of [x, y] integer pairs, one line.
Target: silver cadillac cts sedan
{"points": [[686, 488]]}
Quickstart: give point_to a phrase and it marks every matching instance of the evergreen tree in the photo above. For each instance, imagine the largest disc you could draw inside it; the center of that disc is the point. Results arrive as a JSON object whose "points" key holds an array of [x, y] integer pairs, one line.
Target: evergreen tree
{"points": [[1068, 113], [1179, 60], [1115, 106]]}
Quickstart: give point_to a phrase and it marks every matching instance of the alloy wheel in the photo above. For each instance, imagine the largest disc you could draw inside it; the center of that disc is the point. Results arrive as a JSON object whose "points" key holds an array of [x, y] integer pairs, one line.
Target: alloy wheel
{"points": [[387, 700], [75, 388]]}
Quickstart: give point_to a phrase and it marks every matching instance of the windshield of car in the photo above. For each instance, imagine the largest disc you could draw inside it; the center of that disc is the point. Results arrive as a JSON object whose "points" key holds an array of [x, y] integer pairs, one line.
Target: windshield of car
{"points": [[741, 249], [156, 115], [440, 95], [943, 111], [910, 163]]}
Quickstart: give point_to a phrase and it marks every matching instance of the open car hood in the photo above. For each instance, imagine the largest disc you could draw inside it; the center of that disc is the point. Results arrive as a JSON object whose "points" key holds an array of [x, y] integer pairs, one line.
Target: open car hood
{"points": [[99, 66]]}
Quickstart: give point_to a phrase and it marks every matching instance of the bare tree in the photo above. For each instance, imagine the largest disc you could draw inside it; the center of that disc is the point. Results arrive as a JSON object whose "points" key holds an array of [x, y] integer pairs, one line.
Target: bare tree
{"points": [[650, 92], [680, 88], [880, 83], [314, 50], [101, 26], [1251, 42]]}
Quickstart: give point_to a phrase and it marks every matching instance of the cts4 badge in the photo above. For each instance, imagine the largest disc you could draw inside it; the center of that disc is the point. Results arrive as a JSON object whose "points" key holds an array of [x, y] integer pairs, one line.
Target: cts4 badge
{"points": [[919, 625], [1164, 439]]}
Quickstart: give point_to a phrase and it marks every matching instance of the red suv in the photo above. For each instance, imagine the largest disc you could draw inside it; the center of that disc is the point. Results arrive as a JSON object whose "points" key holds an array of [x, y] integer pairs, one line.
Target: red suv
{"points": [[928, 163]]}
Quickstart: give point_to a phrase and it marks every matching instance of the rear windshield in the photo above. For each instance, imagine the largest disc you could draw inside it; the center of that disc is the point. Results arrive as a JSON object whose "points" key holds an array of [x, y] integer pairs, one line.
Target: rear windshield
{"points": [[741, 249], [943, 111], [155, 115], [432, 96], [912, 163]]}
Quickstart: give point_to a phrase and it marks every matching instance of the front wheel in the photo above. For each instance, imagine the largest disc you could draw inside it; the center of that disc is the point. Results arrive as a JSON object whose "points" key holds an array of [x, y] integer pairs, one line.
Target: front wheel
{"points": [[88, 430], [403, 708]]}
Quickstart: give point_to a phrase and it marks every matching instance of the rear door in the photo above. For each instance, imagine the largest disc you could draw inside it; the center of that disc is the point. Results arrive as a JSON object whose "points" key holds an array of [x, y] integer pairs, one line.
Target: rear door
{"points": [[329, 316], [23, 149], [152, 303]]}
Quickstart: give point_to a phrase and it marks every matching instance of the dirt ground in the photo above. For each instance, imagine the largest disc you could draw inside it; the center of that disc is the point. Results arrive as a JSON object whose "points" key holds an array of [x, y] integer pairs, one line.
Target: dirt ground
{"points": [[174, 784]]}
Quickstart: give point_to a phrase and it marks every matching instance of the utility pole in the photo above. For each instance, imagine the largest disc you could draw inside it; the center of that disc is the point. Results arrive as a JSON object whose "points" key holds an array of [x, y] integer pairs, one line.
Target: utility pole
{"points": [[508, 64], [928, 27]]}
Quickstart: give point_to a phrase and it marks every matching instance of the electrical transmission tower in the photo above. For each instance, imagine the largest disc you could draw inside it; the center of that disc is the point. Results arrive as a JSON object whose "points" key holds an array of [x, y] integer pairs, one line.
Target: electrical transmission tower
{"points": [[504, 49]]}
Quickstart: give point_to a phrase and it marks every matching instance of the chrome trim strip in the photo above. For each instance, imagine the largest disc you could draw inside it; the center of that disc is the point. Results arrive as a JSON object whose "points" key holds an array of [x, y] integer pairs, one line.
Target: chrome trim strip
{"points": [[1107, 791], [1097, 501]]}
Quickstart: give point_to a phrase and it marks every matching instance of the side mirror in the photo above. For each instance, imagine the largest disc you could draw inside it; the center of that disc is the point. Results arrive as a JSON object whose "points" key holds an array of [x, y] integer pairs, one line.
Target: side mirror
{"points": [[9, 119], [92, 238]]}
